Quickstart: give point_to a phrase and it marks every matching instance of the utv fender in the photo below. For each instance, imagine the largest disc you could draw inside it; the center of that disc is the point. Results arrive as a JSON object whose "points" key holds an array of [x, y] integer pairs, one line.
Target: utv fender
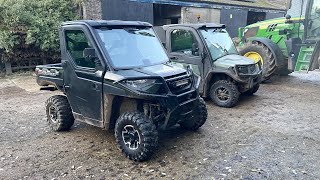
{"points": [[114, 106], [273, 47], [216, 76]]}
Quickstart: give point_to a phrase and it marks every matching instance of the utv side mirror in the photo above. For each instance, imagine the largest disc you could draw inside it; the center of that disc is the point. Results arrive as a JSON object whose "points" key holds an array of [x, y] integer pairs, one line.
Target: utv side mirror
{"points": [[195, 49], [89, 53]]}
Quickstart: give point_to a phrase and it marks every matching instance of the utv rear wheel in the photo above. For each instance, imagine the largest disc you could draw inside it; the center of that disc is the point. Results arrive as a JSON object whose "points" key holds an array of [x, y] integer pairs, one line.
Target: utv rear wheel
{"points": [[258, 51], [137, 136], [59, 113], [253, 90], [224, 93], [198, 118]]}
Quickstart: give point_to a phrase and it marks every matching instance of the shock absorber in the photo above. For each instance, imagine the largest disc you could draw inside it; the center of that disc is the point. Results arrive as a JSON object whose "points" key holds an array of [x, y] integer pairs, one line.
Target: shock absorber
{"points": [[146, 109]]}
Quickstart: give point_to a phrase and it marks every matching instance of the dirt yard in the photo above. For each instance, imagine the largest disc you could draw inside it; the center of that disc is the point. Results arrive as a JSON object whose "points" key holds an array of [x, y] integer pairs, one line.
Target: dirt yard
{"points": [[274, 134]]}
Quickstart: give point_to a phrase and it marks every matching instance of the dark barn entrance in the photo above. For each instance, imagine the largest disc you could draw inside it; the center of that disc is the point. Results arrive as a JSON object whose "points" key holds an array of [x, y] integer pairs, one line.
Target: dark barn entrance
{"points": [[166, 14], [254, 17]]}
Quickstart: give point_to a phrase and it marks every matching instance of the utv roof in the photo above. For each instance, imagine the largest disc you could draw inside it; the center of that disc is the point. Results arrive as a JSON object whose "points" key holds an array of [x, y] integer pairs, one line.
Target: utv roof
{"points": [[101, 23], [196, 26]]}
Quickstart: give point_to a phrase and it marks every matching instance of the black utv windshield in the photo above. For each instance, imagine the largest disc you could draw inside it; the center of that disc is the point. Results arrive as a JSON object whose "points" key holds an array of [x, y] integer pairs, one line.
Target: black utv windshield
{"points": [[219, 42], [132, 47]]}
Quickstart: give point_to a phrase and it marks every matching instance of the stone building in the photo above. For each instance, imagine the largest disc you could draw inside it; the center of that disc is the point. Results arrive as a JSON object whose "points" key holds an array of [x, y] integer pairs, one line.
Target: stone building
{"points": [[233, 13]]}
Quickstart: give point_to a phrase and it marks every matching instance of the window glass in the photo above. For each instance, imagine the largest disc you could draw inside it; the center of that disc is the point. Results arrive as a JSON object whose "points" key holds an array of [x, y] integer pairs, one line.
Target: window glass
{"points": [[132, 47], [219, 42], [76, 42], [182, 41], [313, 31]]}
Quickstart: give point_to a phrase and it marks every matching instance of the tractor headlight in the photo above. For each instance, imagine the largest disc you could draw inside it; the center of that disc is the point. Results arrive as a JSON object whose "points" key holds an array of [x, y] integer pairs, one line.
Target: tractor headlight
{"points": [[144, 85]]}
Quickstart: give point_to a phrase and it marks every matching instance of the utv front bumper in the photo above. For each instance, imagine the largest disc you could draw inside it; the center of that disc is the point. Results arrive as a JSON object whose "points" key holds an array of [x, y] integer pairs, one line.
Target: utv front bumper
{"points": [[248, 75], [178, 103]]}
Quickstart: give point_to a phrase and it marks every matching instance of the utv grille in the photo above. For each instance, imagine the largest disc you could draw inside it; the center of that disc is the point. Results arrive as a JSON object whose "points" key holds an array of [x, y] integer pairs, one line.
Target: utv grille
{"points": [[179, 83], [248, 69]]}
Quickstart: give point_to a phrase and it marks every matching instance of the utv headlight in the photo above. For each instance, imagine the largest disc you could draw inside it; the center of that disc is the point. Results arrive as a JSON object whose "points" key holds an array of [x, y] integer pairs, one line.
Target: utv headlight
{"points": [[144, 85]]}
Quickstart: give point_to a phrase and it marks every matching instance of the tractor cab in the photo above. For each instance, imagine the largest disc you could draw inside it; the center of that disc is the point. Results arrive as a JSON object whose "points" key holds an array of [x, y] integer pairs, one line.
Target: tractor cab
{"points": [[312, 32], [312, 21]]}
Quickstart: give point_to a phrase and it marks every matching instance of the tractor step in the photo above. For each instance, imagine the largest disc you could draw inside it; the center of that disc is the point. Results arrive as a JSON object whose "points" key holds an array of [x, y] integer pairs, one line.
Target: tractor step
{"points": [[304, 58]]}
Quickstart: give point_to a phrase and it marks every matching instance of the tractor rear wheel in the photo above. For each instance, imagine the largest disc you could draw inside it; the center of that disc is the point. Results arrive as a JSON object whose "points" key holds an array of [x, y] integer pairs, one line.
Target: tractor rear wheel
{"points": [[258, 51]]}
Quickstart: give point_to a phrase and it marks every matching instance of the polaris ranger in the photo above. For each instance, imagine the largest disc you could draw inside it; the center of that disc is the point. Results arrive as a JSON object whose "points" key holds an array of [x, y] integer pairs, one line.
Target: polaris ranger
{"points": [[212, 55], [116, 75]]}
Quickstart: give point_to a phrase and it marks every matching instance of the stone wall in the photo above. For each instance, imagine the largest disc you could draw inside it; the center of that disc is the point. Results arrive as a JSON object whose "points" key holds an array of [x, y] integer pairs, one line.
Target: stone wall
{"points": [[199, 15], [92, 9]]}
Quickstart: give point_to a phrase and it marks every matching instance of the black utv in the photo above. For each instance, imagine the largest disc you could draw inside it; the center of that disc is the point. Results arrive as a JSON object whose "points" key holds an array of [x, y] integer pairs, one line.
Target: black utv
{"points": [[116, 75]]}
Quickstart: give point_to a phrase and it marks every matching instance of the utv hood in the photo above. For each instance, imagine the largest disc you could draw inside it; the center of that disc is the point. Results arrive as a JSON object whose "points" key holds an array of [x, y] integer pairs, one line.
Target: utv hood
{"points": [[163, 70], [232, 60]]}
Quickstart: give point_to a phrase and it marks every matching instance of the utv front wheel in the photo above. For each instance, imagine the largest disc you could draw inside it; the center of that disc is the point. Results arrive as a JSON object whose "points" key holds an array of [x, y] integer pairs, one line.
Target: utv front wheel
{"points": [[198, 118], [137, 136], [59, 113], [224, 93], [253, 90]]}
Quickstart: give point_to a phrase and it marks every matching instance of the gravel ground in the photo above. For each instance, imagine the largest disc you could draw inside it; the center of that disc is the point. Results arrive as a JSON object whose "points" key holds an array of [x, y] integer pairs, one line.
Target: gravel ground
{"points": [[274, 134]]}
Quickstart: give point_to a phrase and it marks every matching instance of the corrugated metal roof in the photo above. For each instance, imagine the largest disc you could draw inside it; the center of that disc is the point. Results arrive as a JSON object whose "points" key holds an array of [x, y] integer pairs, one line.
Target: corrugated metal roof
{"points": [[266, 4], [274, 4]]}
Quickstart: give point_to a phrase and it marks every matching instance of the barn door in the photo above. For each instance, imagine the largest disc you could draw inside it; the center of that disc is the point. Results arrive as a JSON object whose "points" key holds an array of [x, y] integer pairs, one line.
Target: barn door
{"points": [[233, 19]]}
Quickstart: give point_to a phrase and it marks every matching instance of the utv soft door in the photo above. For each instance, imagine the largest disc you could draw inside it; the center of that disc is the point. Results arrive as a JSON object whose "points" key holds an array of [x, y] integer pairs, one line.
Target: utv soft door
{"points": [[82, 82]]}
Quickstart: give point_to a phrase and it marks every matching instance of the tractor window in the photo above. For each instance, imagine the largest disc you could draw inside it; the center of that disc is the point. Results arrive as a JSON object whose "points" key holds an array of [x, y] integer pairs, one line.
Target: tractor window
{"points": [[313, 30], [183, 41], [76, 42]]}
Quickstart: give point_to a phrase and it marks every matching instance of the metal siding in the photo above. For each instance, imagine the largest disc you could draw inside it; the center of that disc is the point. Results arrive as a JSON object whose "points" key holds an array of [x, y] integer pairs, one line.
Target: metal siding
{"points": [[274, 15], [277, 5], [206, 15], [126, 10], [233, 19]]}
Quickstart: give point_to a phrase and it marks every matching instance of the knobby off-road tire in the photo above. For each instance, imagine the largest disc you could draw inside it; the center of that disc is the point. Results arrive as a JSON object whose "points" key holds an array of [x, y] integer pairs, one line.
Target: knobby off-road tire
{"points": [[229, 91], [198, 118], [134, 127], [269, 67], [59, 113], [284, 71], [253, 90]]}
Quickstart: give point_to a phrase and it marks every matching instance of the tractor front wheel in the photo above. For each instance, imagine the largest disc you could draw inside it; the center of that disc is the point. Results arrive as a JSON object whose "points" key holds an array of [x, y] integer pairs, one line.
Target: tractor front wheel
{"points": [[258, 51]]}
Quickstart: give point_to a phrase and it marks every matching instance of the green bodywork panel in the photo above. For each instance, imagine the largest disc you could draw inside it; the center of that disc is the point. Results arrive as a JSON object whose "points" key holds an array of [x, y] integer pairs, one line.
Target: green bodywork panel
{"points": [[271, 29]]}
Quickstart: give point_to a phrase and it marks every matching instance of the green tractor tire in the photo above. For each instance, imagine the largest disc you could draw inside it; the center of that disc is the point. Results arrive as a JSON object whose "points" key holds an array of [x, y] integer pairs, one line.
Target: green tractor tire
{"points": [[258, 51]]}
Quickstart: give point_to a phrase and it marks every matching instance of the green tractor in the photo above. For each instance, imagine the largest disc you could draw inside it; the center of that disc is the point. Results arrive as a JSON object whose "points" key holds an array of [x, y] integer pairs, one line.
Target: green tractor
{"points": [[284, 45]]}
